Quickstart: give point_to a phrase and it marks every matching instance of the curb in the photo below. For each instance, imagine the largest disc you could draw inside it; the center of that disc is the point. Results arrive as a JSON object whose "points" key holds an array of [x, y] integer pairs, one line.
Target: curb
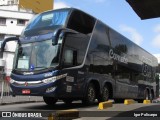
{"points": [[104, 105], [146, 101], [129, 101]]}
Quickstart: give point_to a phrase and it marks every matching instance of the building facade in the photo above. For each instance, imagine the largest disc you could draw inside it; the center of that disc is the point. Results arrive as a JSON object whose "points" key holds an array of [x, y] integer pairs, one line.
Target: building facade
{"points": [[12, 22], [8, 2]]}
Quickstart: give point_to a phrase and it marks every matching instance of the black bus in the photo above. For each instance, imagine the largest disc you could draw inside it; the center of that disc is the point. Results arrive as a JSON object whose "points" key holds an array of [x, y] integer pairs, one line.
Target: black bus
{"points": [[68, 55]]}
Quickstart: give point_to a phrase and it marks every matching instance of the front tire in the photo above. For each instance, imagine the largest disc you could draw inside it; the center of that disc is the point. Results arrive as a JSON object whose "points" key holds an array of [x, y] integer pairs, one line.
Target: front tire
{"points": [[50, 100], [90, 95]]}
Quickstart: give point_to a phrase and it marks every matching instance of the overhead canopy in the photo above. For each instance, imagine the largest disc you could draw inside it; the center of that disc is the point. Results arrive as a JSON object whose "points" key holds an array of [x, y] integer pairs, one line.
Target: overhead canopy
{"points": [[37, 6], [146, 9]]}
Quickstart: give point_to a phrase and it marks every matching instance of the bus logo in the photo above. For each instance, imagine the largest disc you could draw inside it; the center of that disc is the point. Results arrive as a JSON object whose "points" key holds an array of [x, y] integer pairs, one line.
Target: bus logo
{"points": [[117, 57], [26, 84]]}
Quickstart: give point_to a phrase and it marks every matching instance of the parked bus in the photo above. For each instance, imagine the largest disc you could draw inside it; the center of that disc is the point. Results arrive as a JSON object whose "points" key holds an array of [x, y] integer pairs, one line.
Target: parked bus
{"points": [[68, 55]]}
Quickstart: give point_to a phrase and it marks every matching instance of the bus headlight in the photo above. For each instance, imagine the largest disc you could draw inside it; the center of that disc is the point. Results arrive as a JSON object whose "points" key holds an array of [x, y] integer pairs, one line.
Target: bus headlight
{"points": [[12, 81], [49, 80], [53, 79]]}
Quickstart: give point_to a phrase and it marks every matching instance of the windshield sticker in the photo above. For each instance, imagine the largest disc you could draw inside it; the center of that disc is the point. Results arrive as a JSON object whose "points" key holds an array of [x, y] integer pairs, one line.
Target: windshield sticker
{"points": [[23, 63]]}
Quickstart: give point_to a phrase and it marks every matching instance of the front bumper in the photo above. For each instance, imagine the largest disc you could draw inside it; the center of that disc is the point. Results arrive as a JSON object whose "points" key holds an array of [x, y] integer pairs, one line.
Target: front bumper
{"points": [[37, 90]]}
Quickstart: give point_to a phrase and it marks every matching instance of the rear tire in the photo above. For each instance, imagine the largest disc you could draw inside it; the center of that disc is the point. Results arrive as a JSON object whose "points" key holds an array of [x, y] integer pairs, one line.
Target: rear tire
{"points": [[90, 95], [50, 100], [105, 94]]}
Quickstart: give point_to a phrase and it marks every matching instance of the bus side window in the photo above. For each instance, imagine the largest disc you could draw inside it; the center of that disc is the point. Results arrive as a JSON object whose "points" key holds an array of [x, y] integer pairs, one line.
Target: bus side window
{"points": [[70, 58]]}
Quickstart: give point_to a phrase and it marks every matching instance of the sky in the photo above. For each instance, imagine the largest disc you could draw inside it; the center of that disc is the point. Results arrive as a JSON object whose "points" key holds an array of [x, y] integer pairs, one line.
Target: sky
{"points": [[120, 16]]}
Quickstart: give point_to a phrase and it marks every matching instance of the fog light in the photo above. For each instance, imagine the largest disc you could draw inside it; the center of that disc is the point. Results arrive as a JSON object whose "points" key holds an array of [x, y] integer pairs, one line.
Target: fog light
{"points": [[51, 89]]}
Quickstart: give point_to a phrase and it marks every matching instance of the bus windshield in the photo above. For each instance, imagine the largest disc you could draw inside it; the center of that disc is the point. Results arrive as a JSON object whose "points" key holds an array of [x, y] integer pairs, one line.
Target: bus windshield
{"points": [[37, 56], [50, 18]]}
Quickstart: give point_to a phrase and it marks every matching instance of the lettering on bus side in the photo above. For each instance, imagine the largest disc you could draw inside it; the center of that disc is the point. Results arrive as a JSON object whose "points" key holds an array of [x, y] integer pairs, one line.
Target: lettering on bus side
{"points": [[117, 57]]}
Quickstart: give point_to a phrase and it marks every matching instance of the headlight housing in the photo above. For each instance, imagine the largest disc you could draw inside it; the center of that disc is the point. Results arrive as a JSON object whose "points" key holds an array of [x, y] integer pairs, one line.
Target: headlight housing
{"points": [[49, 80], [53, 79]]}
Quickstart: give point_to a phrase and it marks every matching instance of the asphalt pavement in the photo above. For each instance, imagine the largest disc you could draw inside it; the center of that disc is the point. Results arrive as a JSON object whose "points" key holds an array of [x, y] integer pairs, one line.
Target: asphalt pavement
{"points": [[117, 111]]}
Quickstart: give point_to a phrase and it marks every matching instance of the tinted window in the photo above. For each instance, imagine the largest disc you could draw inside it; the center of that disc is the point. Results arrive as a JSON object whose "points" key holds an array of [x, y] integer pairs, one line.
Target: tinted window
{"points": [[117, 41], [81, 22], [48, 19], [99, 50], [75, 47]]}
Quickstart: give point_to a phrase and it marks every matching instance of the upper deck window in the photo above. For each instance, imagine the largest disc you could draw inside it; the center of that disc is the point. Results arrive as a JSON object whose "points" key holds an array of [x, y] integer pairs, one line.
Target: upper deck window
{"points": [[81, 22], [50, 18]]}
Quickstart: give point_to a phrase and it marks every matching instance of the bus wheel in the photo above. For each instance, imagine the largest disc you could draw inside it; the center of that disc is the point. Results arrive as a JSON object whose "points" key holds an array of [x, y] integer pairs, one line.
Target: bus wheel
{"points": [[67, 101], [49, 100], [105, 94], [90, 95]]}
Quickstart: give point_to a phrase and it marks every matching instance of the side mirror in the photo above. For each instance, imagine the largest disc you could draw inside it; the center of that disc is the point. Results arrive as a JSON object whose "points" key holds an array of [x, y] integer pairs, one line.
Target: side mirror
{"points": [[4, 44], [61, 33]]}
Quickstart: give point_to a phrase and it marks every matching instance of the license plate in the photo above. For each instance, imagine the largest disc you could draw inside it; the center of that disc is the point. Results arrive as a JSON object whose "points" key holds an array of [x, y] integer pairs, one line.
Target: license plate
{"points": [[26, 91]]}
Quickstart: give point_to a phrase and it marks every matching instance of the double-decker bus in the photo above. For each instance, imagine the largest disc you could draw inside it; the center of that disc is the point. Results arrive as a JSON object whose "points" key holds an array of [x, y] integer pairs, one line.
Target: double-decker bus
{"points": [[68, 55]]}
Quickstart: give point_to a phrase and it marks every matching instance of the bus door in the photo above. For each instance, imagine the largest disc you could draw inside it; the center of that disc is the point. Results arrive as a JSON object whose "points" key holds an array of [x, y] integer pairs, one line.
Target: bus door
{"points": [[68, 63], [74, 50]]}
